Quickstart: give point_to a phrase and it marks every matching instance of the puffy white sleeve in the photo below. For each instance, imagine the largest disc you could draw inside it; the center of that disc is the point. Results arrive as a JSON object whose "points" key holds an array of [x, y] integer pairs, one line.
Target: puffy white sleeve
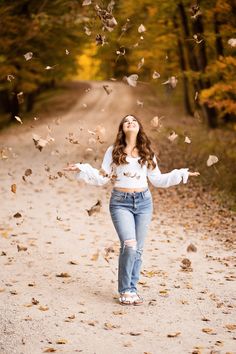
{"points": [[165, 180], [92, 175]]}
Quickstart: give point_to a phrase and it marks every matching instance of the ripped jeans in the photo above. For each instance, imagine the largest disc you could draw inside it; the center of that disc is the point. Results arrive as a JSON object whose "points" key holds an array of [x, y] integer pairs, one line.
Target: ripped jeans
{"points": [[131, 215]]}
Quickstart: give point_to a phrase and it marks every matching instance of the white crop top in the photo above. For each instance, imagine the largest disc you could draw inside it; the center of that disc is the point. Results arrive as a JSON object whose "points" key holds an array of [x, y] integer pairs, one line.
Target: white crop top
{"points": [[130, 175]]}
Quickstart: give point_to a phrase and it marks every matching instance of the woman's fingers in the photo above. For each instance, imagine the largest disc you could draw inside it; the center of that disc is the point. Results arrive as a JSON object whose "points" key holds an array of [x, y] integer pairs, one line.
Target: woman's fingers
{"points": [[194, 173]]}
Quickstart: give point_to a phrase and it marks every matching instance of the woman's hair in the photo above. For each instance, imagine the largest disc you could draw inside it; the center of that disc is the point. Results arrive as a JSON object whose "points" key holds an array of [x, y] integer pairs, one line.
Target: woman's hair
{"points": [[143, 144]]}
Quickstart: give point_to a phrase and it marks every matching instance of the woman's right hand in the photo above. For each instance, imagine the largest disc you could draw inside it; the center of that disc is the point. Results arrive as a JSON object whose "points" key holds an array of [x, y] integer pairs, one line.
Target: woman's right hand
{"points": [[71, 167]]}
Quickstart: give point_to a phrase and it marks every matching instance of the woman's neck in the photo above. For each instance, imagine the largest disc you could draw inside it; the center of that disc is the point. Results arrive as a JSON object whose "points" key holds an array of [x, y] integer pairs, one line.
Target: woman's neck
{"points": [[131, 142]]}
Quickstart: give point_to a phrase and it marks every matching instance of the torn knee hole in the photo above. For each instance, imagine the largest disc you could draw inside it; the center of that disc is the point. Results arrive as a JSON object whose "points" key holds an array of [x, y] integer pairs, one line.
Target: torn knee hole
{"points": [[130, 243]]}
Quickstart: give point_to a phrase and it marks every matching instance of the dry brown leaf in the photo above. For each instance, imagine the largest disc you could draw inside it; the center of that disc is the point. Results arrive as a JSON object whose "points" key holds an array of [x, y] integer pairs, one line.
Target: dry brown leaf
{"points": [[21, 248], [135, 333], [17, 215], [95, 256], [172, 335], [191, 248], [28, 172], [43, 308], [231, 326], [61, 341], [50, 350], [63, 275], [13, 188], [208, 330], [95, 208], [34, 301]]}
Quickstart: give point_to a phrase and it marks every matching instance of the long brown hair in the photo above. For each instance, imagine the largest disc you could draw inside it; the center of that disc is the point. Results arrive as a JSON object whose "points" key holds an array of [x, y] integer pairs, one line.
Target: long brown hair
{"points": [[143, 144]]}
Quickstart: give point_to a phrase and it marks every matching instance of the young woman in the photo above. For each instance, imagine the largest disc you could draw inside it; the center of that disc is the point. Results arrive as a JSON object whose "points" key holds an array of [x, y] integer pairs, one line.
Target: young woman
{"points": [[127, 164]]}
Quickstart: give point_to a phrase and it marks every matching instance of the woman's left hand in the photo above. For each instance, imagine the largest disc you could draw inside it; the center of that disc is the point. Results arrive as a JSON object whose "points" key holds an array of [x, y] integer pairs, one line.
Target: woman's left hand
{"points": [[193, 173]]}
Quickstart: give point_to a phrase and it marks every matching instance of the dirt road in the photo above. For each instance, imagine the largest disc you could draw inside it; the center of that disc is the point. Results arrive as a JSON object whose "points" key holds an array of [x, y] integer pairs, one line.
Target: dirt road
{"points": [[58, 289]]}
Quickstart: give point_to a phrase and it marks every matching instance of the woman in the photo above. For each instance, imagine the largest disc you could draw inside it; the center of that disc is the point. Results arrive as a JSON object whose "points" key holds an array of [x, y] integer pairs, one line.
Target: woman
{"points": [[128, 163]]}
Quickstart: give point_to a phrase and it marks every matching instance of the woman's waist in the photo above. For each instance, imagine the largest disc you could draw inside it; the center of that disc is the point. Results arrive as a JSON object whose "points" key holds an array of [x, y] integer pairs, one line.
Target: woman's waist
{"points": [[129, 190]]}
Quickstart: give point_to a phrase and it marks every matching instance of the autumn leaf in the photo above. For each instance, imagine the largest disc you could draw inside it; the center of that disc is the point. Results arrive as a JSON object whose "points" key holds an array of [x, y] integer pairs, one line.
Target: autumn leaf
{"points": [[13, 188], [21, 248], [172, 335], [17, 215], [63, 275], [43, 308], [61, 341], [50, 350], [231, 326], [95, 256]]}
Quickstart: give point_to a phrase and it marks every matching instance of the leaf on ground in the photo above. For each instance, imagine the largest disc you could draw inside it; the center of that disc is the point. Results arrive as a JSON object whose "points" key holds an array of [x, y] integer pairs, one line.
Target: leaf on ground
{"points": [[21, 248], [43, 308], [17, 215], [208, 330], [109, 326], [191, 248], [135, 333], [231, 326], [28, 172], [49, 350], [61, 341], [172, 335], [63, 275], [95, 256]]}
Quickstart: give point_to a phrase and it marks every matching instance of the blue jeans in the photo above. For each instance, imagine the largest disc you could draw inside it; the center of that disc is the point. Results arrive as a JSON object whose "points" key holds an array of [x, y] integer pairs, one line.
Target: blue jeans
{"points": [[131, 215]]}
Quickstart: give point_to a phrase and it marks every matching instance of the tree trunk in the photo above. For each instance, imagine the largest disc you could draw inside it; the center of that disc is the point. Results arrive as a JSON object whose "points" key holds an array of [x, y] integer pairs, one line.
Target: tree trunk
{"points": [[183, 66], [198, 28], [14, 108], [219, 43]]}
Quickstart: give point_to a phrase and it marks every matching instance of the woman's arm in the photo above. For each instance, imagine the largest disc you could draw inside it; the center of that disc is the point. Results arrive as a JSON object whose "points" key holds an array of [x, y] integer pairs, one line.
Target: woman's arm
{"points": [[91, 175], [165, 180]]}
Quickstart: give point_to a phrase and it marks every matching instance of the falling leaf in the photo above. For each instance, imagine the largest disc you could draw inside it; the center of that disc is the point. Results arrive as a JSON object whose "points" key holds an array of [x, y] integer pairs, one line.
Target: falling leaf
{"points": [[17, 215], [28, 56], [95, 256], [86, 2], [73, 262], [187, 140], [18, 119], [20, 97], [131, 80], [156, 75], [107, 89], [172, 136], [110, 326], [39, 142], [172, 81], [13, 188], [196, 95], [141, 29], [10, 77], [172, 335], [141, 63], [212, 159], [100, 40], [232, 42], [67, 52], [191, 248], [197, 39], [95, 208], [155, 122], [63, 275], [139, 103], [87, 31]]}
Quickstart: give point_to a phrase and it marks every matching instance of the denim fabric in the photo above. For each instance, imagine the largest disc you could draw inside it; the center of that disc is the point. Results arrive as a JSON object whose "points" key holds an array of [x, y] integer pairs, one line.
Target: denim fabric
{"points": [[131, 215]]}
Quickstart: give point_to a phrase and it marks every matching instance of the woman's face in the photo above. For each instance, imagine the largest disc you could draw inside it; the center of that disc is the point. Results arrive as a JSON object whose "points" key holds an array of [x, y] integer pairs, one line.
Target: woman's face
{"points": [[130, 124]]}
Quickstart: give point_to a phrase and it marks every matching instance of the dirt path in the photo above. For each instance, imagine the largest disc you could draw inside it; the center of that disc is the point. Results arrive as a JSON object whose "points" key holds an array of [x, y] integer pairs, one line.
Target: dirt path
{"points": [[39, 310]]}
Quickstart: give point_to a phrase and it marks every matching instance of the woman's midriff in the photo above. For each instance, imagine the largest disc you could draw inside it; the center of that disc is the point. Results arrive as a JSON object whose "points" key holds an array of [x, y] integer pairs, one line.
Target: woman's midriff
{"points": [[129, 190]]}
